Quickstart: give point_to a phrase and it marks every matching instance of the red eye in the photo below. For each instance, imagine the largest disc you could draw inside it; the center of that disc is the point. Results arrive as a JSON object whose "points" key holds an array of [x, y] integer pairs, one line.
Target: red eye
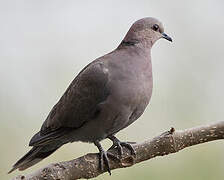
{"points": [[155, 27]]}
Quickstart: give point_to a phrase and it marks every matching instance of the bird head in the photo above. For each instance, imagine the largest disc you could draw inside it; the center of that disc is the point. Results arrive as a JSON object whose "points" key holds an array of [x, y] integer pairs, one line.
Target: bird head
{"points": [[146, 31]]}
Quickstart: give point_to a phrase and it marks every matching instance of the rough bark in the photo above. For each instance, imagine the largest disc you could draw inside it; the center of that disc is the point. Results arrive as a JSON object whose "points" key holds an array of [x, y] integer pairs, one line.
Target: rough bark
{"points": [[168, 142]]}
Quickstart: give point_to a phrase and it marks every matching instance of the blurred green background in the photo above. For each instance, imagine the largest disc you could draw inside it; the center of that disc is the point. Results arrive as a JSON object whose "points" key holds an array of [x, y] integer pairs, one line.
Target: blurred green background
{"points": [[45, 43]]}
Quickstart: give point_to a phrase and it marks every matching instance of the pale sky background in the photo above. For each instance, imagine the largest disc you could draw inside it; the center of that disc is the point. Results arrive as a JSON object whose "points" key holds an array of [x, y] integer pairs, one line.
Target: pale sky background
{"points": [[45, 43]]}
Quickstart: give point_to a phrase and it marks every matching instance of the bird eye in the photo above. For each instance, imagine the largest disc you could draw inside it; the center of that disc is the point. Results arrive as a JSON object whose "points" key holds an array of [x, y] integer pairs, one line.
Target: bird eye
{"points": [[155, 27]]}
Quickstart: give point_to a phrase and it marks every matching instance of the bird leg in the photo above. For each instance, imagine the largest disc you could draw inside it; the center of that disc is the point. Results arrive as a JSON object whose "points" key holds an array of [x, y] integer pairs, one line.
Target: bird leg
{"points": [[103, 157], [117, 143]]}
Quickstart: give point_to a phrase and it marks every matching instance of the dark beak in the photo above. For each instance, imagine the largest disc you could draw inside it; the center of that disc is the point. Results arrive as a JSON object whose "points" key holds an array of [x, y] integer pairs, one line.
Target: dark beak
{"points": [[165, 36]]}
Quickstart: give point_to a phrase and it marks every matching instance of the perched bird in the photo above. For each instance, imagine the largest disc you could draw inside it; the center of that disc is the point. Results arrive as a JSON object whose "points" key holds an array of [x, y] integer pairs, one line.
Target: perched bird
{"points": [[108, 95]]}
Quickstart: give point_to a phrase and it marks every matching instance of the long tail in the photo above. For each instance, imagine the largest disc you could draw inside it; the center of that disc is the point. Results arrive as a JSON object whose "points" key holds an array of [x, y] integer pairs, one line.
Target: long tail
{"points": [[35, 155]]}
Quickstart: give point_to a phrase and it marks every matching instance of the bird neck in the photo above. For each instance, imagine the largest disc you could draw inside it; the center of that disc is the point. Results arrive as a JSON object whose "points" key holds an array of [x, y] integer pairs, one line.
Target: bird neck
{"points": [[138, 39], [137, 45]]}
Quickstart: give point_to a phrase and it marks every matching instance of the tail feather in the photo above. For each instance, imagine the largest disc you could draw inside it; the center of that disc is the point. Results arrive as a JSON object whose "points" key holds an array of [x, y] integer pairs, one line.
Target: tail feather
{"points": [[35, 155], [43, 139]]}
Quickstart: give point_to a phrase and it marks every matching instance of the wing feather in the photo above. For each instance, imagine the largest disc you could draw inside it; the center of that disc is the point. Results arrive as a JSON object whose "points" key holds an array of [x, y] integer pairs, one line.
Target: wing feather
{"points": [[78, 104]]}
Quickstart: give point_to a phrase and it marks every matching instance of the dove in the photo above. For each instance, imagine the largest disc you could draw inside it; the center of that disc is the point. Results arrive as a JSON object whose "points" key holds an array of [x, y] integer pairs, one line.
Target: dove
{"points": [[107, 95]]}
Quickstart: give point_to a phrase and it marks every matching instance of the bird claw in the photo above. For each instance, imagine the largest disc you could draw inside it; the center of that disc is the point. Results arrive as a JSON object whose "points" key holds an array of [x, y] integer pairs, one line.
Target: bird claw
{"points": [[103, 155], [118, 144], [128, 146], [104, 160]]}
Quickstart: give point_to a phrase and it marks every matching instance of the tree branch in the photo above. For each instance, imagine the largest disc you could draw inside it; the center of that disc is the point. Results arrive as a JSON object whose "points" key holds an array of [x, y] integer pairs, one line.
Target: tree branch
{"points": [[168, 142]]}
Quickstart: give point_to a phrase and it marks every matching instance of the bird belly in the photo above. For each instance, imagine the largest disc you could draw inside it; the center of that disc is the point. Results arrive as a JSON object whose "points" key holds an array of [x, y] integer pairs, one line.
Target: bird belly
{"points": [[123, 106], [130, 105]]}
